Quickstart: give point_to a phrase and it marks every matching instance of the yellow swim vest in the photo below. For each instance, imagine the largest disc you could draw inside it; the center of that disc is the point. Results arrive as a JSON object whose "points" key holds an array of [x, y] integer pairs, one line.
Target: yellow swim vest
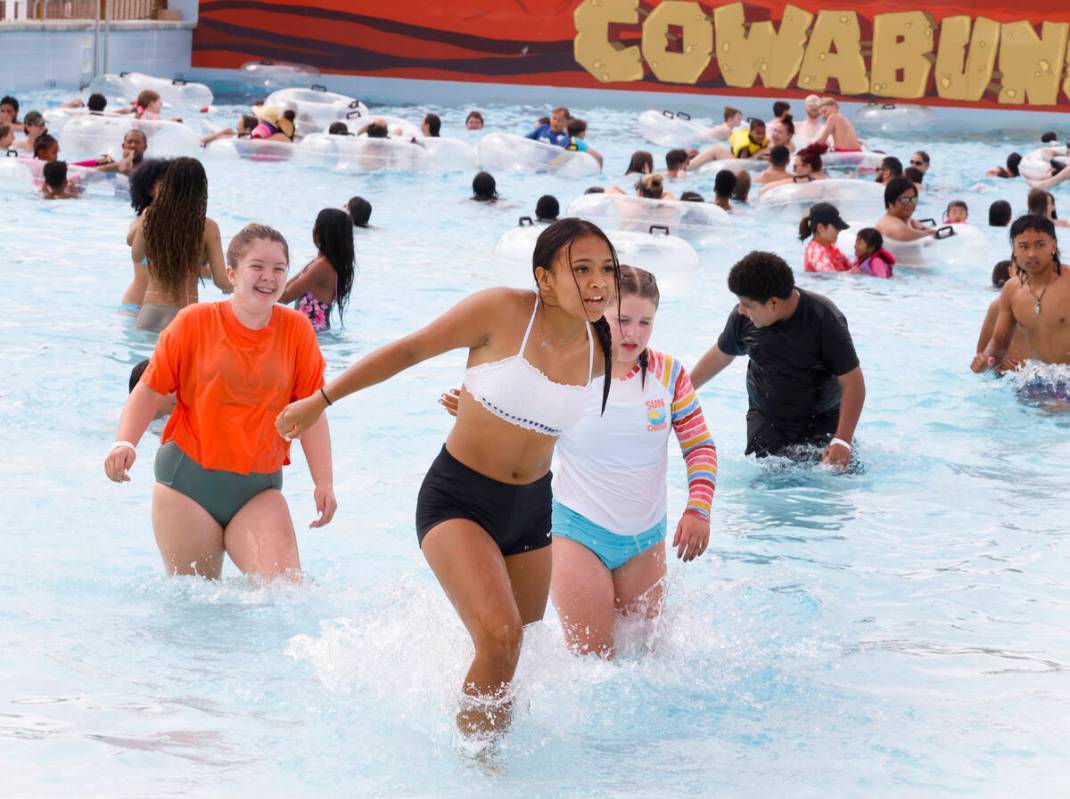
{"points": [[740, 143]]}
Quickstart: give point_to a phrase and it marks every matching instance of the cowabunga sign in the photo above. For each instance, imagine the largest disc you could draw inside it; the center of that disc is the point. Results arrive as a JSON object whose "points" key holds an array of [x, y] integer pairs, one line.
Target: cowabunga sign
{"points": [[982, 54]]}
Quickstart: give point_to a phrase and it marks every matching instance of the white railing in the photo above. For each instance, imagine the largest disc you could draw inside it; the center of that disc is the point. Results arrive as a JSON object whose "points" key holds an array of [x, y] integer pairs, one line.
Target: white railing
{"points": [[14, 10]]}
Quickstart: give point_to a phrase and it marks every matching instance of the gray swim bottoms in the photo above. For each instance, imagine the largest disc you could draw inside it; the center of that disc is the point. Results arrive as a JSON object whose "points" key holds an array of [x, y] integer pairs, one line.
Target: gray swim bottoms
{"points": [[219, 492], [155, 317]]}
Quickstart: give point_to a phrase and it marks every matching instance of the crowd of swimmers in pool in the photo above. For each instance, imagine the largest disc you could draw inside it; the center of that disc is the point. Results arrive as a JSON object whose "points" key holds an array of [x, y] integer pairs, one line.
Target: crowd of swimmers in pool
{"points": [[564, 371]]}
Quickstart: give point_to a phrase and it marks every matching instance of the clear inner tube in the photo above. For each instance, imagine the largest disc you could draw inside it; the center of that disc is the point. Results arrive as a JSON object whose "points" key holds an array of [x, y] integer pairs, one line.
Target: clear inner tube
{"points": [[509, 153]]}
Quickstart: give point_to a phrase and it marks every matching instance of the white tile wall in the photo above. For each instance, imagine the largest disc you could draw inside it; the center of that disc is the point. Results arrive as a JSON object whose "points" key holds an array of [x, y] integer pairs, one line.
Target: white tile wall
{"points": [[36, 59]]}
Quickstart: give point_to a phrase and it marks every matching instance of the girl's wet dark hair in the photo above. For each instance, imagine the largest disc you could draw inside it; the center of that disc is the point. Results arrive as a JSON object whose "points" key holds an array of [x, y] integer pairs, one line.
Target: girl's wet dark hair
{"points": [[333, 234], [249, 122], [547, 208], [55, 175], [724, 183], [136, 373], [896, 188], [999, 214], [1041, 224], [484, 187], [1013, 160], [142, 181], [561, 235], [872, 237], [434, 124], [360, 211], [636, 282], [642, 162]]}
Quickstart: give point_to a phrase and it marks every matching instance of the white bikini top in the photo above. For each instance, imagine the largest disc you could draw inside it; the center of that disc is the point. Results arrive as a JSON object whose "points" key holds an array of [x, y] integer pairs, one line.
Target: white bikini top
{"points": [[518, 392]]}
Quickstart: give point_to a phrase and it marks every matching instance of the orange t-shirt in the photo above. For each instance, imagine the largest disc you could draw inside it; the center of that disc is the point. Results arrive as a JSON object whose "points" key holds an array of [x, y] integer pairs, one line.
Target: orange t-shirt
{"points": [[231, 382]]}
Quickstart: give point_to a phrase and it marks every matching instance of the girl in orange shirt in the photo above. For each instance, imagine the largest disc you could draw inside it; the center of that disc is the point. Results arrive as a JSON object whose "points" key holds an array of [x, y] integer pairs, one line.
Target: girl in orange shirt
{"points": [[233, 366]]}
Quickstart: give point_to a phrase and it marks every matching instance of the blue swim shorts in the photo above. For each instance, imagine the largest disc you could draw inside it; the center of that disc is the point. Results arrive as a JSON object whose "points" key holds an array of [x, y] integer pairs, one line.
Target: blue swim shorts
{"points": [[612, 549]]}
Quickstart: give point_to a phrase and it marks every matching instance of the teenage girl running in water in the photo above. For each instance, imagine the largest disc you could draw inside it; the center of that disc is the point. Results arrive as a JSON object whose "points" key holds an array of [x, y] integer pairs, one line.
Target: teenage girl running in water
{"points": [[483, 516], [609, 520]]}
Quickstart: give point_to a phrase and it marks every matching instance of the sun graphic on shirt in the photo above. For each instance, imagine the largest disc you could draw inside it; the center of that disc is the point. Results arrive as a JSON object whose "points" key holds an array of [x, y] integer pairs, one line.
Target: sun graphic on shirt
{"points": [[655, 416]]}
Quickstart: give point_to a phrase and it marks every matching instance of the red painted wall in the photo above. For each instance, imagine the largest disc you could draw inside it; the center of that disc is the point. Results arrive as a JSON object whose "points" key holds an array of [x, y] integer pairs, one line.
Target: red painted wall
{"points": [[528, 42]]}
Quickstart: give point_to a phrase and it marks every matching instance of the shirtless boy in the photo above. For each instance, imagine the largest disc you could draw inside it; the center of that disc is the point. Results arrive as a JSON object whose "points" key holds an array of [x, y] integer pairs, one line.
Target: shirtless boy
{"points": [[839, 132], [1038, 301]]}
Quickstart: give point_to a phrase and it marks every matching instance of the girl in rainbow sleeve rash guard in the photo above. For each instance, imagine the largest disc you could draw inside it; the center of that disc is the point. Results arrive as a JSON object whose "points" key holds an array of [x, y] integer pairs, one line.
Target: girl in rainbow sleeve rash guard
{"points": [[610, 498]]}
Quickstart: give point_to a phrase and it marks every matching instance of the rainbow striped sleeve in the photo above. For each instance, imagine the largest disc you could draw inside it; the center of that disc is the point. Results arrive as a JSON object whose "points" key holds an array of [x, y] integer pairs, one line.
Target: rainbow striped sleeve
{"points": [[700, 453]]}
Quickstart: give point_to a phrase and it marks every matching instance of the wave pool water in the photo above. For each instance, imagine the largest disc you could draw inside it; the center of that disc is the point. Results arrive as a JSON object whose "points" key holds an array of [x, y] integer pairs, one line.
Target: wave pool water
{"points": [[898, 631]]}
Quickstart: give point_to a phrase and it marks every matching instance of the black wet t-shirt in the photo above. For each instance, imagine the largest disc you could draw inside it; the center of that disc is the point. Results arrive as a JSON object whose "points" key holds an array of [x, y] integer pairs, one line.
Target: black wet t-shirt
{"points": [[794, 363]]}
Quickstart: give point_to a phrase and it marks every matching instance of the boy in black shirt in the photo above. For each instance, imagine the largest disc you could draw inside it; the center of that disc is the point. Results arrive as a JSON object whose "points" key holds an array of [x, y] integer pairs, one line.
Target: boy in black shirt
{"points": [[803, 380]]}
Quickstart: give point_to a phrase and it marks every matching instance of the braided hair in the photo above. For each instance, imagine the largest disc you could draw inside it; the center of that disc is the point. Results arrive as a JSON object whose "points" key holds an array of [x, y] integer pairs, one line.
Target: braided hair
{"points": [[174, 223], [561, 235]]}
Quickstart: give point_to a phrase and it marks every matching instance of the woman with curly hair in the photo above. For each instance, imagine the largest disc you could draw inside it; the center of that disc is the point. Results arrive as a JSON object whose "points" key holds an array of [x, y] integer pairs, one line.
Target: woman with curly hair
{"points": [[175, 242]]}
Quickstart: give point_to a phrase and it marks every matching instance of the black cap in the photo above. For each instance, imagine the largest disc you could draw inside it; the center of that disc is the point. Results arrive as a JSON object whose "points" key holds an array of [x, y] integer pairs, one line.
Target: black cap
{"points": [[826, 214]]}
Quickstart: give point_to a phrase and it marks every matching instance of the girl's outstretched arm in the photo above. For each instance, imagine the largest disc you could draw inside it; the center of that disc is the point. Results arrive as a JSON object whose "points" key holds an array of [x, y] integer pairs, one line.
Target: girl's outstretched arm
{"points": [[467, 324]]}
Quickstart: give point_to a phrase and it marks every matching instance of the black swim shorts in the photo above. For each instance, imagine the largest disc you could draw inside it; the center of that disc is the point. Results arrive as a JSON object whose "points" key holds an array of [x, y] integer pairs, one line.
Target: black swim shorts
{"points": [[517, 517], [789, 437]]}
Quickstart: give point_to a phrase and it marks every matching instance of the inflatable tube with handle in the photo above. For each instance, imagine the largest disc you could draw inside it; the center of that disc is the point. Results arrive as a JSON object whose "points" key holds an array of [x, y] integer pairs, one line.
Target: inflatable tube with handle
{"points": [[701, 224], [672, 260]]}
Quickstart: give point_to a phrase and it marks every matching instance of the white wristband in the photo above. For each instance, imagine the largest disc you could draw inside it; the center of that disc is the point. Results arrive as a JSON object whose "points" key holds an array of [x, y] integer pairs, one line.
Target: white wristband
{"points": [[119, 444], [841, 442]]}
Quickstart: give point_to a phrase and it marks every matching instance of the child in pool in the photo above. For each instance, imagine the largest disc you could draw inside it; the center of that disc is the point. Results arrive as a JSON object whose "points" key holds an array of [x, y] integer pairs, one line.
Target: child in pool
{"points": [[870, 256], [55, 185], [957, 213], [823, 222], [327, 279]]}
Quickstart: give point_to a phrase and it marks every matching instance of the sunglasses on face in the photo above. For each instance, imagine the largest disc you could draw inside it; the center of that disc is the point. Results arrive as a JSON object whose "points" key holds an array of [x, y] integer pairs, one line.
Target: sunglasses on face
{"points": [[905, 200]]}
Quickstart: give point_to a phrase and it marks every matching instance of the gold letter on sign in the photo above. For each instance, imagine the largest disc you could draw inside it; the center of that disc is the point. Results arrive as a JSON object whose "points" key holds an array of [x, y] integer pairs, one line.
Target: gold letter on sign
{"points": [[963, 74], [607, 61], [1032, 66], [902, 42], [696, 49], [839, 28], [771, 55]]}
